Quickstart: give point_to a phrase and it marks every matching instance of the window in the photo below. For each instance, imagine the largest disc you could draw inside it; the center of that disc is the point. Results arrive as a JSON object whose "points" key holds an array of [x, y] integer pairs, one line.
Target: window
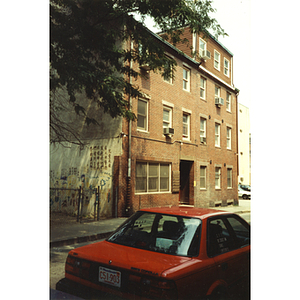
{"points": [[202, 46], [142, 115], [217, 177], [217, 60], [228, 101], [164, 177], [218, 241], [186, 126], [228, 138], [226, 67], [194, 43], [217, 91], [229, 178], [227, 234], [203, 130], [186, 79], [217, 134], [167, 117], [172, 235], [241, 230], [202, 88], [141, 177], [202, 177], [152, 177], [166, 66]]}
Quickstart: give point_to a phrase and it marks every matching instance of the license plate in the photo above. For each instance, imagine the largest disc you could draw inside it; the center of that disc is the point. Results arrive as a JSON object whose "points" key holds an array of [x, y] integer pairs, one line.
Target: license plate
{"points": [[110, 277]]}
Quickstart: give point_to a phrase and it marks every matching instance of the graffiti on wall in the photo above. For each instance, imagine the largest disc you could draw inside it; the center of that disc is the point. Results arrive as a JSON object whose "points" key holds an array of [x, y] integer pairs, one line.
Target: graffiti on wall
{"points": [[97, 173], [100, 158]]}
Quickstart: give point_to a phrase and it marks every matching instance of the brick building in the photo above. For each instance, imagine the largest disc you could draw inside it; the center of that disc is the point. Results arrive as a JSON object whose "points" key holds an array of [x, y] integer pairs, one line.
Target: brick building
{"points": [[183, 147], [181, 150]]}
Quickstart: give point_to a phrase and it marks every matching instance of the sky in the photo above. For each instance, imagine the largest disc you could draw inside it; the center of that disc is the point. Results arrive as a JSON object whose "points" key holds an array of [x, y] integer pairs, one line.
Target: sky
{"points": [[234, 17]]}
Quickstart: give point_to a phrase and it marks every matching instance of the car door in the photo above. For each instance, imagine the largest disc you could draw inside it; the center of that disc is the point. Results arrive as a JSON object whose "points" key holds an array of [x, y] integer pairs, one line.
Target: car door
{"points": [[229, 246]]}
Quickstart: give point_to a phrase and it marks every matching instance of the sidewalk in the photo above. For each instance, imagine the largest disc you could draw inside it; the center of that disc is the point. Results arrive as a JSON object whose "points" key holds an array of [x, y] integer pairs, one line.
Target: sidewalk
{"points": [[65, 230], [243, 207]]}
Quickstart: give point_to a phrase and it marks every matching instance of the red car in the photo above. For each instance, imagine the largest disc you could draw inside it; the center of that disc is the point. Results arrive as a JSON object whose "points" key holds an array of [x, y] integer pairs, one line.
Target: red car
{"points": [[166, 253]]}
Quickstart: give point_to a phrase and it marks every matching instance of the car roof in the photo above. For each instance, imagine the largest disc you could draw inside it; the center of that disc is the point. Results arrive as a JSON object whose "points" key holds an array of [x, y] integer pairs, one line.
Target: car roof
{"points": [[187, 211]]}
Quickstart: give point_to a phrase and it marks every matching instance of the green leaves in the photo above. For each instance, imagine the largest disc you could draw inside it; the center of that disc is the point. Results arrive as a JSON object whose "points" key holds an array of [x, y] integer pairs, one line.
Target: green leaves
{"points": [[88, 52]]}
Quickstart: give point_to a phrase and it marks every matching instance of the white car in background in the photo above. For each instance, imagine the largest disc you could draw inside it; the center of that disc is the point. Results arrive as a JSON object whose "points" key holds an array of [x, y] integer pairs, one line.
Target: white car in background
{"points": [[244, 194]]}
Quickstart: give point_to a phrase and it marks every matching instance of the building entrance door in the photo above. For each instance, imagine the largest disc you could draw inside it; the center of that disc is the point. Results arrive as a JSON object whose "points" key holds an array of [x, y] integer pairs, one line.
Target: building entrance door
{"points": [[186, 178]]}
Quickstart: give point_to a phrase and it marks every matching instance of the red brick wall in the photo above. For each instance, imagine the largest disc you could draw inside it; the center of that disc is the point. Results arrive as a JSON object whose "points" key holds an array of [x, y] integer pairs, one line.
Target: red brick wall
{"points": [[152, 145], [211, 46]]}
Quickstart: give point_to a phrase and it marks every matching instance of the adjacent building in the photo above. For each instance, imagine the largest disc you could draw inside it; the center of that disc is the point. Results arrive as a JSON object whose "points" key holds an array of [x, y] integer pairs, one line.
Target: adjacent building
{"points": [[244, 139], [183, 148]]}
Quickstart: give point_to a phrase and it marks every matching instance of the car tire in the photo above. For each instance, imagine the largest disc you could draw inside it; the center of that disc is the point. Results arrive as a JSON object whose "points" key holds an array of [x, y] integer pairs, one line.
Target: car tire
{"points": [[245, 197], [219, 294]]}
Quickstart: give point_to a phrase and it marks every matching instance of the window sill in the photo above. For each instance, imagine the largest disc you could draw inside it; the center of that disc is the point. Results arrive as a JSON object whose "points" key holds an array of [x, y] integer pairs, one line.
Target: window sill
{"points": [[142, 130], [151, 193]]}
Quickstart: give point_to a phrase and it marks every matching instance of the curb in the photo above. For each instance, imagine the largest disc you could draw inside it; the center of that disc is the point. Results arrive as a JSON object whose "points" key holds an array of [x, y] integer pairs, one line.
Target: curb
{"points": [[81, 239]]}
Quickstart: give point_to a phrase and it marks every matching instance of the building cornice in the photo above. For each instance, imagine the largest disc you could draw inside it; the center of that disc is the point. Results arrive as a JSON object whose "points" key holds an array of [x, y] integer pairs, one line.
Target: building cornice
{"points": [[231, 87]]}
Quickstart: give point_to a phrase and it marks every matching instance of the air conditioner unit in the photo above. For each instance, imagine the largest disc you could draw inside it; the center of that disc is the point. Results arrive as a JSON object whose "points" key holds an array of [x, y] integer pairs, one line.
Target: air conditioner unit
{"points": [[202, 139], [168, 131], [205, 54], [219, 101]]}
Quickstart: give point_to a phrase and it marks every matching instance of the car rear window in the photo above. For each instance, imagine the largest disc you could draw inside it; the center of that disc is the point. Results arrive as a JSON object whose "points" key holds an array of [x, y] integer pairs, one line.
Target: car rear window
{"points": [[170, 234]]}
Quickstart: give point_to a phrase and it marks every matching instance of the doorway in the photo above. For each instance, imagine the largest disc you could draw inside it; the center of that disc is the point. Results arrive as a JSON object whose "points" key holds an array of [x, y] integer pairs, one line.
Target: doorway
{"points": [[186, 193]]}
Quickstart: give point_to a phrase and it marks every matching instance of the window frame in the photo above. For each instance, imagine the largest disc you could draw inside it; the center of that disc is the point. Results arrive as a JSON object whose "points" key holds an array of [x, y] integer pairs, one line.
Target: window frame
{"points": [[205, 46], [188, 136], [170, 110], [203, 177], [228, 137], [232, 240], [203, 131], [169, 80], [145, 128], [218, 61], [218, 175], [226, 68], [218, 135], [203, 89], [218, 90], [229, 178], [228, 101], [186, 80], [148, 177]]}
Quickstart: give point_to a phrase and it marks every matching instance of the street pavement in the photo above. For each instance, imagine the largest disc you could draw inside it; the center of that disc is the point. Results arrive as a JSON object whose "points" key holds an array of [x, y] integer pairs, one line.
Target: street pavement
{"points": [[65, 230]]}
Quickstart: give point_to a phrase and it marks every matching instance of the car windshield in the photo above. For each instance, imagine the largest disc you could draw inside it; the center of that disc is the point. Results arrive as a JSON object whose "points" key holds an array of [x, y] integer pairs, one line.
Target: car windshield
{"points": [[170, 234], [245, 187]]}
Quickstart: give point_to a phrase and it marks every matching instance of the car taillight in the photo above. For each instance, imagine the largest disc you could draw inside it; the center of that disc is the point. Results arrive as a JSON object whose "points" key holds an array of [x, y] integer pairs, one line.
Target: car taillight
{"points": [[154, 288], [77, 267]]}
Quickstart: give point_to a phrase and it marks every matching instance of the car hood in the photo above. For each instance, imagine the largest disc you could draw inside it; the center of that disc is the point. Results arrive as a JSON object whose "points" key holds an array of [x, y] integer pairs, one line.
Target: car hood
{"points": [[118, 256]]}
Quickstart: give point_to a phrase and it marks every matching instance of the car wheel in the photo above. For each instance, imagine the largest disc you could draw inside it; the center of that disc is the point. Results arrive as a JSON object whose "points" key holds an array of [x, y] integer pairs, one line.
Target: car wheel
{"points": [[219, 294], [244, 197]]}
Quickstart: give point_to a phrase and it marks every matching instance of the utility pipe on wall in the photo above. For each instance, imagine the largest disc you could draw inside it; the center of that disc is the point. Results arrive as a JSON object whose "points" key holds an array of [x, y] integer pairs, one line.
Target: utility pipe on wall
{"points": [[127, 207]]}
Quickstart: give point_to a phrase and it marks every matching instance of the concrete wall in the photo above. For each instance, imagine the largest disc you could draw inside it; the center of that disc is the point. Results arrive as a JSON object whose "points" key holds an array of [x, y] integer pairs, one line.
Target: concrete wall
{"points": [[90, 167]]}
